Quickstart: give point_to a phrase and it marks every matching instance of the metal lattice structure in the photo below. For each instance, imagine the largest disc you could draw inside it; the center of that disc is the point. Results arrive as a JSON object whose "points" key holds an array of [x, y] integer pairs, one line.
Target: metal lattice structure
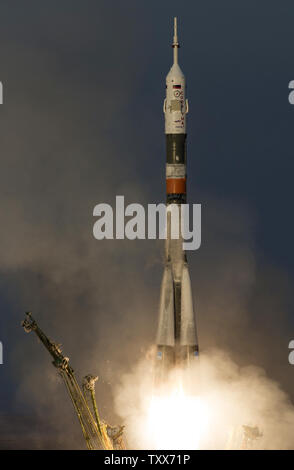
{"points": [[98, 435]]}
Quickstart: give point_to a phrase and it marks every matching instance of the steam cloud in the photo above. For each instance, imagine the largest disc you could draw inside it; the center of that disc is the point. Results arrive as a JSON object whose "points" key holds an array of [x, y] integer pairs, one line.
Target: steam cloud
{"points": [[229, 397]]}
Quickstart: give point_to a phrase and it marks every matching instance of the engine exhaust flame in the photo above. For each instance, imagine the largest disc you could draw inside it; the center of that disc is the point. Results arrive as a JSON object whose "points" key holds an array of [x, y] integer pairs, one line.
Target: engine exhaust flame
{"points": [[177, 421]]}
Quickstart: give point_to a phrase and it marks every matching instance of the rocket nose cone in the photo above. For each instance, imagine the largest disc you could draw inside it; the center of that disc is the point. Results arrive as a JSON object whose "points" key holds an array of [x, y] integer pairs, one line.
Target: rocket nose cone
{"points": [[175, 72]]}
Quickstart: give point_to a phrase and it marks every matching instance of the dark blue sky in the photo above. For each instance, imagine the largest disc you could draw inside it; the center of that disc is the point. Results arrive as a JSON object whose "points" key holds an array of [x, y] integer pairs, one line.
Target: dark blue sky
{"points": [[82, 121]]}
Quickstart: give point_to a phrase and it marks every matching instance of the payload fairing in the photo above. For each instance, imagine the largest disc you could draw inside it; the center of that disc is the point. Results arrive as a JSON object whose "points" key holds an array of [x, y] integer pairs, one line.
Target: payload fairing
{"points": [[177, 343]]}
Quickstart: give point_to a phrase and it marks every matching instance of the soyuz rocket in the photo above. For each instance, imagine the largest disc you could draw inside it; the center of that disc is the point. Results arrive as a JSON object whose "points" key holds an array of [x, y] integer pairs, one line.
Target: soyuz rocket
{"points": [[176, 340]]}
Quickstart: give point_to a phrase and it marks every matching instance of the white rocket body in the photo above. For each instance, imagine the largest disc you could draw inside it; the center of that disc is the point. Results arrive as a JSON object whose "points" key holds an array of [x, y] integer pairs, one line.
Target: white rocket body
{"points": [[176, 335]]}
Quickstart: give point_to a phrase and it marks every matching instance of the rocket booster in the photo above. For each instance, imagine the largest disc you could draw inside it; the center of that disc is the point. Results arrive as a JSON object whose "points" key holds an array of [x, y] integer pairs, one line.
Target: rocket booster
{"points": [[177, 343]]}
